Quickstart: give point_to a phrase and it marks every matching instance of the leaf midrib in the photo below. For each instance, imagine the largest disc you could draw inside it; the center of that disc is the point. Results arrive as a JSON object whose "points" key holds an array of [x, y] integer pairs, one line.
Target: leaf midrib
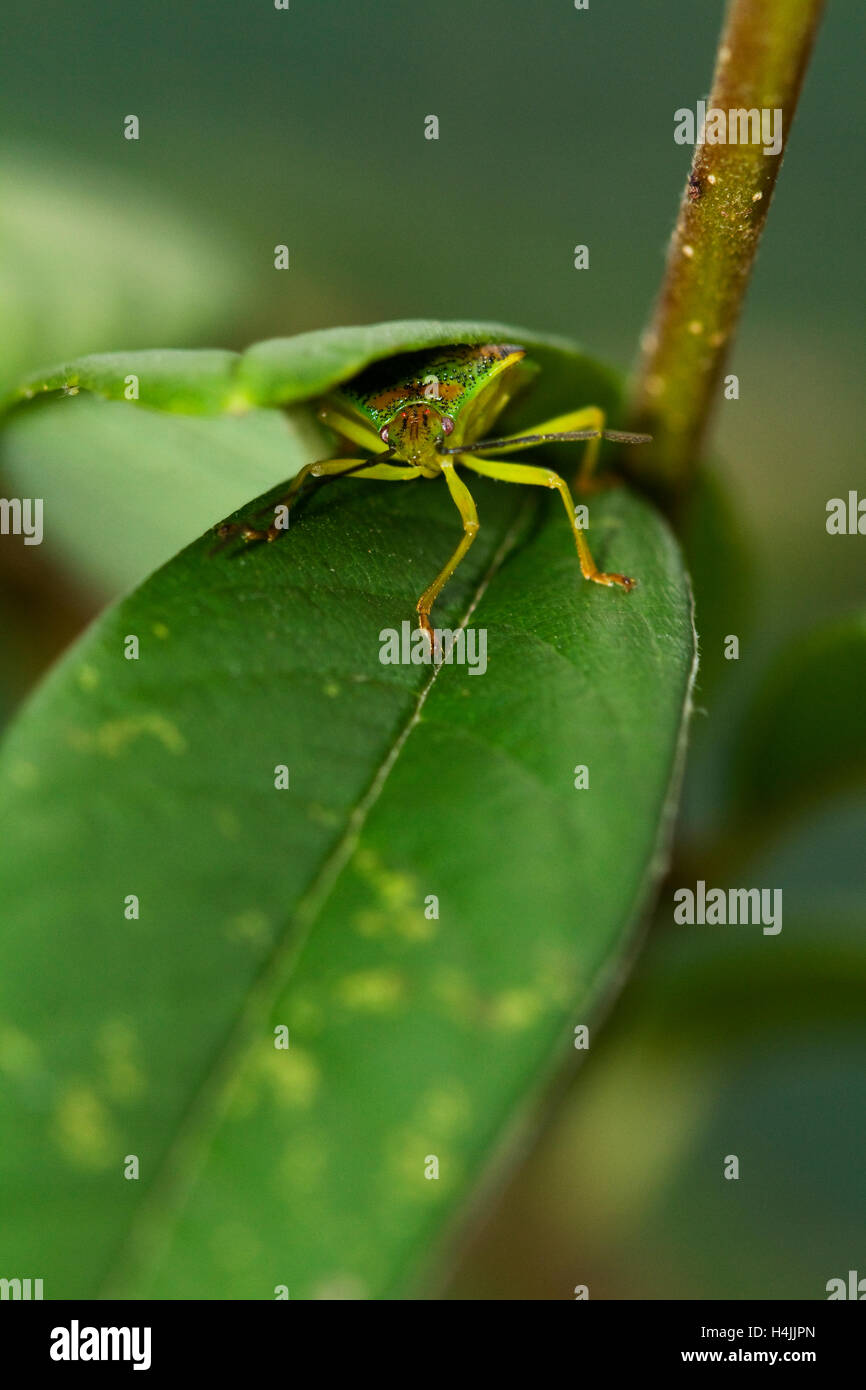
{"points": [[150, 1227]]}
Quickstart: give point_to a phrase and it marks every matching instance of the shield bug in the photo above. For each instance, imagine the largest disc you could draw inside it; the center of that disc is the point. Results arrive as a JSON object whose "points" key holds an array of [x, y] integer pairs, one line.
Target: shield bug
{"points": [[429, 413]]}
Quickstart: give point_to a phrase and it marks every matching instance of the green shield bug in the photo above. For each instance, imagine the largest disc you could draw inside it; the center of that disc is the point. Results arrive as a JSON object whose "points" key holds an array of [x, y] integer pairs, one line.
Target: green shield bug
{"points": [[427, 413]]}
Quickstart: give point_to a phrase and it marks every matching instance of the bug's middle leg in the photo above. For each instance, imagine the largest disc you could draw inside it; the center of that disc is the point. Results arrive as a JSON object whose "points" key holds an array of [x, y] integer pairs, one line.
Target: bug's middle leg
{"points": [[590, 418], [545, 477], [466, 506], [254, 533]]}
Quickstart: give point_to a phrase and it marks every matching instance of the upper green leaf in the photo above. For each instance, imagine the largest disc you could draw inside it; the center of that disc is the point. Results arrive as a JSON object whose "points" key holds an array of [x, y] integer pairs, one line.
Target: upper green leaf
{"points": [[283, 371]]}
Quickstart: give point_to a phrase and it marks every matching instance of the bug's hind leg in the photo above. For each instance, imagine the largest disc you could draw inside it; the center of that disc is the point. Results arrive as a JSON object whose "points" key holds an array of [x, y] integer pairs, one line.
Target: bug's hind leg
{"points": [[466, 506], [545, 477]]}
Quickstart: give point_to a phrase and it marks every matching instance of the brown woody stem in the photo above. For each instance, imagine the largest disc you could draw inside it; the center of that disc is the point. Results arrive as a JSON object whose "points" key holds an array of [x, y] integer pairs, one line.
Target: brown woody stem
{"points": [[763, 52]]}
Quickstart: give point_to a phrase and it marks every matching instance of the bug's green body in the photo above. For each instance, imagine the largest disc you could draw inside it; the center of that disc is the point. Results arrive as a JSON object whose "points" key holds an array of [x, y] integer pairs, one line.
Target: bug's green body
{"points": [[468, 386], [423, 414]]}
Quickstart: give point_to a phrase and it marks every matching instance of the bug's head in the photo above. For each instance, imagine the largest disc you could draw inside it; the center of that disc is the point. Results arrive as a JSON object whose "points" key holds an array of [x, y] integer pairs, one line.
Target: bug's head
{"points": [[415, 431]]}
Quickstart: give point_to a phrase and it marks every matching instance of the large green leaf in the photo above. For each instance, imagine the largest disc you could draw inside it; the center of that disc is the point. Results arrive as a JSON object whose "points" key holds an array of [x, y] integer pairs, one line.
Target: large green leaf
{"points": [[411, 1036]]}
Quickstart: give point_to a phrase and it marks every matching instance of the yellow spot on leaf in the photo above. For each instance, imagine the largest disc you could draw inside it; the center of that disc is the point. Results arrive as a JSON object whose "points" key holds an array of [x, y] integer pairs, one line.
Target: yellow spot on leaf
{"points": [[19, 1055], [251, 926], [515, 1009], [113, 737], [122, 1076], [303, 1163], [305, 1014], [406, 1152], [88, 677], [292, 1074], [83, 1129], [160, 630], [24, 775], [399, 905], [227, 822], [371, 991], [341, 1288], [445, 1109]]}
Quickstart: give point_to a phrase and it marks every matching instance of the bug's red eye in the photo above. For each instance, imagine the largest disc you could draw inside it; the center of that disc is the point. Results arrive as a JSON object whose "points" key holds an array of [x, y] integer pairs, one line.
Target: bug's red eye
{"points": [[426, 413], [383, 434], [404, 416], [447, 424]]}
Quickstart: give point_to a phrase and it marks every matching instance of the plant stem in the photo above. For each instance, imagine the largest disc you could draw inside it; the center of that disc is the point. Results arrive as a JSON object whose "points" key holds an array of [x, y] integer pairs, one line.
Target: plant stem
{"points": [[763, 52]]}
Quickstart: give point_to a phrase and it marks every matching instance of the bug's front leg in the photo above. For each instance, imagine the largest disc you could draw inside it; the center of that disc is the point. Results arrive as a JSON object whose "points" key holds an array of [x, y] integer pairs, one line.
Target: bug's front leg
{"points": [[324, 469], [466, 506]]}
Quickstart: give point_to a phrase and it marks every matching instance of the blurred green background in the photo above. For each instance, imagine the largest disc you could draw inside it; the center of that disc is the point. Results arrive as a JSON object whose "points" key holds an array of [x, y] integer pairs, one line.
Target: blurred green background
{"points": [[306, 127]]}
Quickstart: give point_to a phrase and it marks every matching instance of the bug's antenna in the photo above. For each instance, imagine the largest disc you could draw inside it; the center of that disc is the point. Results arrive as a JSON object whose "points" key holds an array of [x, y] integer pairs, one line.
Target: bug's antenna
{"points": [[482, 445], [564, 437], [626, 437]]}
